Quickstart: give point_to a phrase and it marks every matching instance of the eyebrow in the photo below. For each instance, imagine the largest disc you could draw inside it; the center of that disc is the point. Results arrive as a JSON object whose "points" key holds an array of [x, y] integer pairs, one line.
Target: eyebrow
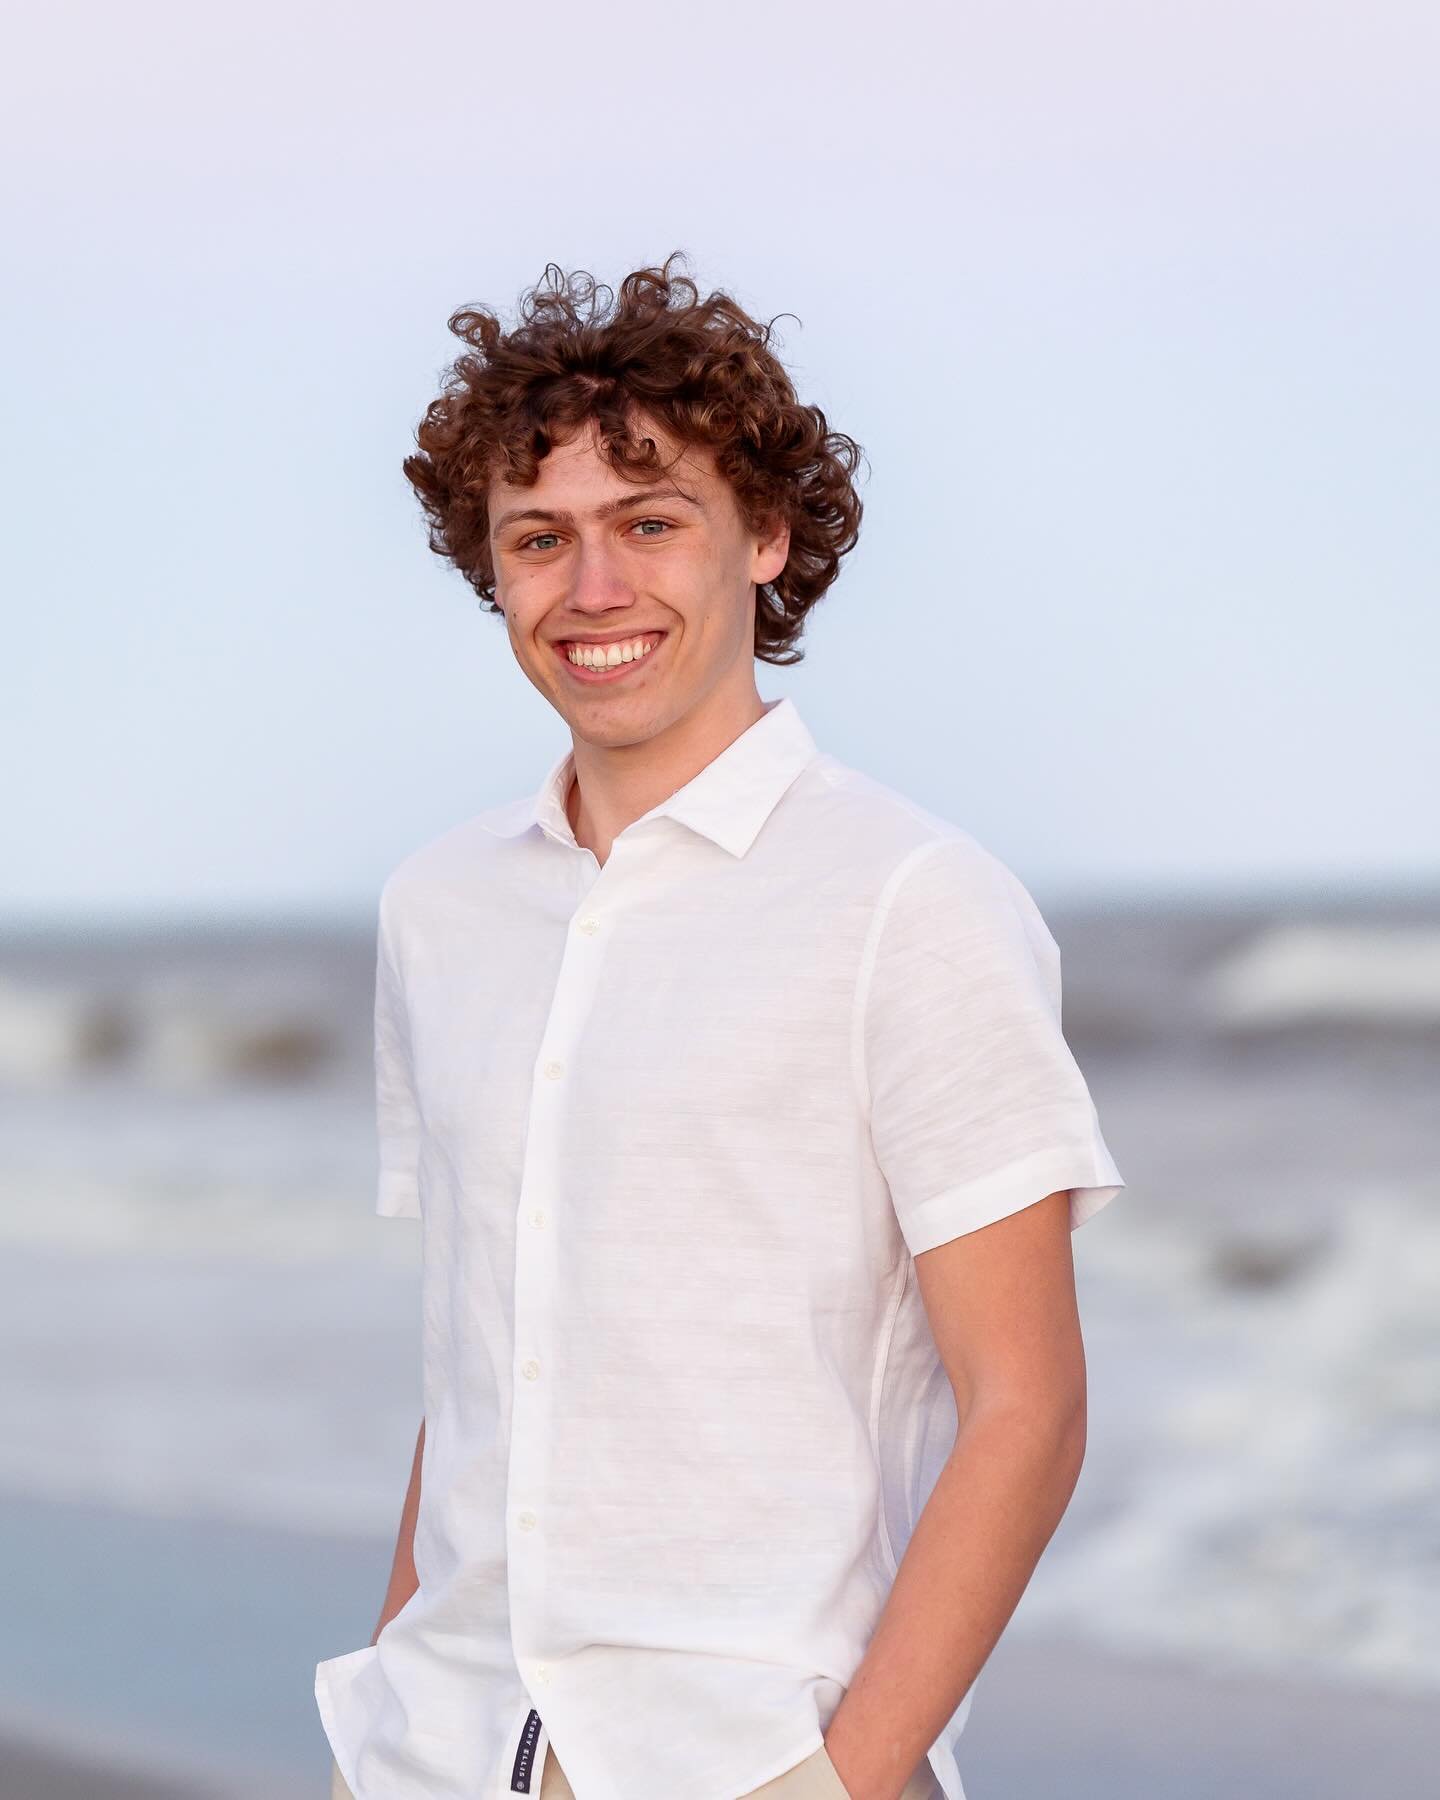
{"points": [[607, 511]]}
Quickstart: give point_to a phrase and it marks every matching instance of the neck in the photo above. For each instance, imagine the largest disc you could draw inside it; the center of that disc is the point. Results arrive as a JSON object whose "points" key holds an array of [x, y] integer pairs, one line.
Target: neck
{"points": [[614, 784]]}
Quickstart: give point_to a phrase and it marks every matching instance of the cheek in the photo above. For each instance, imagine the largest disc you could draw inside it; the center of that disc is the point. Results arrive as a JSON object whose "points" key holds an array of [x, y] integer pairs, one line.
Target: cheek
{"points": [[721, 572], [524, 598]]}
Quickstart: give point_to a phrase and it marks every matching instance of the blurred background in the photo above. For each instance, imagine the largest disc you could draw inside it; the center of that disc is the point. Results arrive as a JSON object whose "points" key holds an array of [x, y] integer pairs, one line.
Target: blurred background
{"points": [[1132, 308]]}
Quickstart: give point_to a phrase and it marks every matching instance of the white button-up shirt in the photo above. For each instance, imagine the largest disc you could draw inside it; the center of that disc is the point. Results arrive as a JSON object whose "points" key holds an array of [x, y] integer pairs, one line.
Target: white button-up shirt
{"points": [[675, 1129]]}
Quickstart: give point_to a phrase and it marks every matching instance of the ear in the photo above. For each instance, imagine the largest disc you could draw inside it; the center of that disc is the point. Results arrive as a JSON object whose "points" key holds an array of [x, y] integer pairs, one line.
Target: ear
{"points": [[772, 552]]}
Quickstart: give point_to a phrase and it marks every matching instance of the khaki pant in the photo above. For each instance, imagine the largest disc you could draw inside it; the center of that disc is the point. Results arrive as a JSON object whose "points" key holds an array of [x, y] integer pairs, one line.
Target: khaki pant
{"points": [[813, 1779]]}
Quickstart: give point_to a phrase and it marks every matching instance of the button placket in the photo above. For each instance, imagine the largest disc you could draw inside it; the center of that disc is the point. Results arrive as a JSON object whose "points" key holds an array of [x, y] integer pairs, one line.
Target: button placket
{"points": [[535, 1268]]}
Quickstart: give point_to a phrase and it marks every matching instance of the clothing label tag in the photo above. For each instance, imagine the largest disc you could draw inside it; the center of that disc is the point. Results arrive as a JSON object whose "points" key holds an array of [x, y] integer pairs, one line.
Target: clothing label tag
{"points": [[529, 1755]]}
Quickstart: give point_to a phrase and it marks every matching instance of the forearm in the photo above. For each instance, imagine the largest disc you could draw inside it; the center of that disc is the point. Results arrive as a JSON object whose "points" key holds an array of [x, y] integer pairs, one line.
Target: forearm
{"points": [[403, 1579], [999, 1497]]}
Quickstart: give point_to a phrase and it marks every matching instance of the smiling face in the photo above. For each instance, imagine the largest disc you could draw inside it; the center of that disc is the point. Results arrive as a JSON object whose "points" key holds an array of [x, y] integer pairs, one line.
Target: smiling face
{"points": [[658, 577]]}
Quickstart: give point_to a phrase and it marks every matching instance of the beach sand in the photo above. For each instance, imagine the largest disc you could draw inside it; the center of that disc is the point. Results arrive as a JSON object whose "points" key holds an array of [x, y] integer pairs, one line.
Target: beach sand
{"points": [[1051, 1722], [1055, 1721], [31, 1770]]}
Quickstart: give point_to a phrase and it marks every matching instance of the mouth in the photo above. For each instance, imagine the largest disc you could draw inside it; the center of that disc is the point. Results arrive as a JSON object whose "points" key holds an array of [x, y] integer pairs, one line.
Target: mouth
{"points": [[620, 658]]}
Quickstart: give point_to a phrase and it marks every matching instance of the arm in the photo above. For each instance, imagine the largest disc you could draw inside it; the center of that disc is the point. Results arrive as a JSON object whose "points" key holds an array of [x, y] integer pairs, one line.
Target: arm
{"points": [[403, 1579], [1001, 1302]]}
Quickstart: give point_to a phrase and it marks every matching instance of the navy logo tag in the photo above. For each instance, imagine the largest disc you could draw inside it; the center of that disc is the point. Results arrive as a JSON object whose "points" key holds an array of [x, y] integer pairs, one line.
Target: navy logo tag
{"points": [[525, 1754]]}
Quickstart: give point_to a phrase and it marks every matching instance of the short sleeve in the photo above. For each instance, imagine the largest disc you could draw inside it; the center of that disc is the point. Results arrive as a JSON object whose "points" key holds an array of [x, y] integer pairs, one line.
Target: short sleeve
{"points": [[977, 1105], [397, 1114]]}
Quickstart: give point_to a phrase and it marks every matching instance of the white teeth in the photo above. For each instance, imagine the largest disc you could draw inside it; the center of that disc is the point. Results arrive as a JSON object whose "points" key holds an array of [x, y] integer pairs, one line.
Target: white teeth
{"points": [[610, 656]]}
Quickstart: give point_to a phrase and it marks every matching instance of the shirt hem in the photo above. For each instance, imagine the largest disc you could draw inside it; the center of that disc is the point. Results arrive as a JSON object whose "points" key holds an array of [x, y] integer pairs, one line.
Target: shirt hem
{"points": [[1092, 1181]]}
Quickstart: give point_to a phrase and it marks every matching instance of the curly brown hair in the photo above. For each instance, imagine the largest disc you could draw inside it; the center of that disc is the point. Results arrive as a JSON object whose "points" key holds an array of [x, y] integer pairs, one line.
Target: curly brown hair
{"points": [[702, 369]]}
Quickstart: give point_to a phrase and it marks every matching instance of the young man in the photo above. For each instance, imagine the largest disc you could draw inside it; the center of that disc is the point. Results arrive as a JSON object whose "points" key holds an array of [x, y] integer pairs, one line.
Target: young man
{"points": [[730, 1090]]}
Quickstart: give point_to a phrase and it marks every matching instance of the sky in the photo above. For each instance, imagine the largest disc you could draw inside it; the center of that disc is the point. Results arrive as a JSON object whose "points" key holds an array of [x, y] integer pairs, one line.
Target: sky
{"points": [[1132, 308]]}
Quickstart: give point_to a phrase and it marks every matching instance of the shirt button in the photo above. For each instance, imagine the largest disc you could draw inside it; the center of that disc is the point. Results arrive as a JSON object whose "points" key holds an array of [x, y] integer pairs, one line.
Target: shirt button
{"points": [[527, 1521], [530, 1369], [590, 925], [537, 1218], [542, 1671], [554, 1070]]}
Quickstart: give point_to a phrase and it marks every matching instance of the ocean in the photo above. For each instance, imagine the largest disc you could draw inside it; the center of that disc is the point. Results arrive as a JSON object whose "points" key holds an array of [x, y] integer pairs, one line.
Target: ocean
{"points": [[210, 1382]]}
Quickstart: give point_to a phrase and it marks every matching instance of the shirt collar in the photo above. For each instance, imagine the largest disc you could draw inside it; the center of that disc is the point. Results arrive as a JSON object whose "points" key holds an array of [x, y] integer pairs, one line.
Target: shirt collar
{"points": [[727, 802]]}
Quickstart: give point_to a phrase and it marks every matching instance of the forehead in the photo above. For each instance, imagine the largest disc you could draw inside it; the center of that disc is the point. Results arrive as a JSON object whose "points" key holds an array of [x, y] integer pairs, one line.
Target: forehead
{"points": [[576, 472]]}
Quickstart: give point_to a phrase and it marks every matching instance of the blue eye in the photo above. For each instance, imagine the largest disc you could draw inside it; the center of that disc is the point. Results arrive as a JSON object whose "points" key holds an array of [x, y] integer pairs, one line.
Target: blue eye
{"points": [[660, 522]]}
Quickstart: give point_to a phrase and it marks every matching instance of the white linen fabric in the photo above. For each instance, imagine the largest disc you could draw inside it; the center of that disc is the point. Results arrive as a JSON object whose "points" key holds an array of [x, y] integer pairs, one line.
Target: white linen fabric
{"points": [[675, 1129]]}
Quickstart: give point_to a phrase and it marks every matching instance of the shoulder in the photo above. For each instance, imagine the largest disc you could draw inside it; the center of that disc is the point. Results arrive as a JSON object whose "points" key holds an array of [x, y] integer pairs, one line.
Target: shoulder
{"points": [[454, 863], [914, 858]]}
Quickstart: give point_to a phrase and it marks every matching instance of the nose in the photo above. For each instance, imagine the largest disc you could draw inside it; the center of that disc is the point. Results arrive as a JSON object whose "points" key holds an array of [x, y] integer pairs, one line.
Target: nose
{"points": [[598, 583]]}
